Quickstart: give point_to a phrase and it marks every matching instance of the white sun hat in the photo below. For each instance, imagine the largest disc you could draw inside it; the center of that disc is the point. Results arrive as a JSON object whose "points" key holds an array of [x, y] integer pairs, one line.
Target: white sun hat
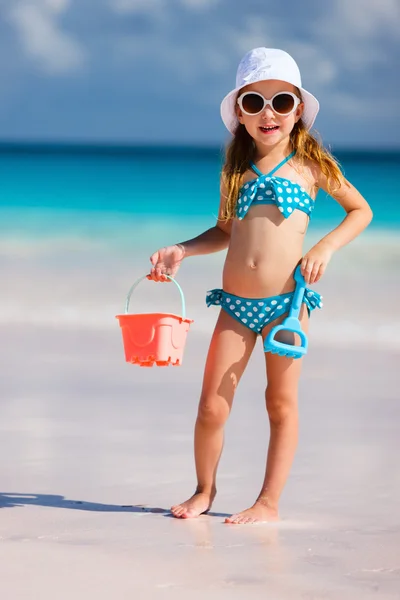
{"points": [[262, 64]]}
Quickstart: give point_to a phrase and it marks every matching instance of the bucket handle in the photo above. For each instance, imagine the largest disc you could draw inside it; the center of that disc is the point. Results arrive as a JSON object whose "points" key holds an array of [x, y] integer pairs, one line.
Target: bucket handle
{"points": [[134, 286]]}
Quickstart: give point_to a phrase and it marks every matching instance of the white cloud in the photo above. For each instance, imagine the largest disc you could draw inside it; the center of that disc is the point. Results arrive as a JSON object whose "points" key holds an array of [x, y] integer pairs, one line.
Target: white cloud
{"points": [[199, 4], [316, 65], [365, 19], [42, 39], [344, 49], [56, 6], [353, 105], [149, 6], [170, 44], [133, 6], [251, 32], [354, 31]]}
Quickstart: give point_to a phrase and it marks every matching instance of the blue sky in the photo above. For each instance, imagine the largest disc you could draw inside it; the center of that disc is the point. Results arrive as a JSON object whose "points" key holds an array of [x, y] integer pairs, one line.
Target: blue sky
{"points": [[155, 71]]}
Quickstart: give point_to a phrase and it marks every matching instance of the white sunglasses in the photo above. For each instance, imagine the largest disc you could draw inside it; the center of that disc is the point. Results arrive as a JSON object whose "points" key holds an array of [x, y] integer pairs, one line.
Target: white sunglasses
{"points": [[282, 103]]}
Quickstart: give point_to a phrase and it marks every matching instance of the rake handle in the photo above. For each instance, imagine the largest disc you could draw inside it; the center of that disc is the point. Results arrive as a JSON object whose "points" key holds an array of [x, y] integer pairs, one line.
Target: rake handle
{"points": [[298, 295]]}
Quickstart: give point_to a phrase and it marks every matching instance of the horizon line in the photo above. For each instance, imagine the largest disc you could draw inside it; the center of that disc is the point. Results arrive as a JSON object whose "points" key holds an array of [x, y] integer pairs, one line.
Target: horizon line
{"points": [[135, 147]]}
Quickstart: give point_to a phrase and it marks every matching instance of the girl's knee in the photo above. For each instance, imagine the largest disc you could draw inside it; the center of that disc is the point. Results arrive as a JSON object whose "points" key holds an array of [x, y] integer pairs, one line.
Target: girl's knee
{"points": [[213, 411], [280, 403]]}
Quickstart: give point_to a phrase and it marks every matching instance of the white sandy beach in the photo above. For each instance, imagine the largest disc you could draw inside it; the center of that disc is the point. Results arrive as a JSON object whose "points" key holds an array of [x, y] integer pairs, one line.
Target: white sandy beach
{"points": [[95, 451]]}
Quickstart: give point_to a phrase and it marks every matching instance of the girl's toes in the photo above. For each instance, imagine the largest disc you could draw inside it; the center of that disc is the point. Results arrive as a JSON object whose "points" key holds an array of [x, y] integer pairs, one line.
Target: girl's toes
{"points": [[177, 510], [230, 519], [238, 520]]}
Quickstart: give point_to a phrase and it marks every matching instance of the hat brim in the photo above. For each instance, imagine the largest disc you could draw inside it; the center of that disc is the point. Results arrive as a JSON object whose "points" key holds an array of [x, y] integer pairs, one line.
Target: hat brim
{"points": [[229, 117]]}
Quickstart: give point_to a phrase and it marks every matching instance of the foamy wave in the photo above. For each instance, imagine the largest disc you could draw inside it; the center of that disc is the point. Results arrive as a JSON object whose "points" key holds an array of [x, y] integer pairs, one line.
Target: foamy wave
{"points": [[43, 232]]}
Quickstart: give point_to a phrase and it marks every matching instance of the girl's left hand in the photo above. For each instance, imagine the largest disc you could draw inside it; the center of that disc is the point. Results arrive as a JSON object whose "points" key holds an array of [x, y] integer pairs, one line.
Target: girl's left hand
{"points": [[314, 263]]}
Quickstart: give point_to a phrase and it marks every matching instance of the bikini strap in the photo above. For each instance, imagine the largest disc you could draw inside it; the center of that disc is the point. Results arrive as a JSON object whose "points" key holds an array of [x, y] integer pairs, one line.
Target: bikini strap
{"points": [[256, 171], [284, 161]]}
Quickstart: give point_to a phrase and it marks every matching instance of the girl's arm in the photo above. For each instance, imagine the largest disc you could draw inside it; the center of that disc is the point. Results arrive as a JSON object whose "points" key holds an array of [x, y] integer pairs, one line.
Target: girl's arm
{"points": [[358, 217], [166, 261]]}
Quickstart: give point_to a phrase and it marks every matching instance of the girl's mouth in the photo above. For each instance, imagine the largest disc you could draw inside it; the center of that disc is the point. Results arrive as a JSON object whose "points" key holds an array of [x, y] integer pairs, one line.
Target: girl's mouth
{"points": [[269, 129]]}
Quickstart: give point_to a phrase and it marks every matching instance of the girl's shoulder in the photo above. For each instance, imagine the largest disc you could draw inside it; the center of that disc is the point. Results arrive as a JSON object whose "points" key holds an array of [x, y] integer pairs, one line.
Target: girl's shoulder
{"points": [[309, 171], [307, 167]]}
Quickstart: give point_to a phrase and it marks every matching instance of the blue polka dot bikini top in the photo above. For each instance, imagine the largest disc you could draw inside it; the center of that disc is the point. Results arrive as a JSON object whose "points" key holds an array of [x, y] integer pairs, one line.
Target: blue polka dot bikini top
{"points": [[266, 189]]}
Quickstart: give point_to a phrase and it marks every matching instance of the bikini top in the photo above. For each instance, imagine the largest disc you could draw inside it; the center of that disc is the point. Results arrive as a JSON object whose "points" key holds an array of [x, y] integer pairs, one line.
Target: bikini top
{"points": [[266, 189]]}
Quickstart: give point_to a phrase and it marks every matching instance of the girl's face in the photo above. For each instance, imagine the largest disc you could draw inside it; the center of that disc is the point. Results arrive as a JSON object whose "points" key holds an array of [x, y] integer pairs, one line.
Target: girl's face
{"points": [[269, 128]]}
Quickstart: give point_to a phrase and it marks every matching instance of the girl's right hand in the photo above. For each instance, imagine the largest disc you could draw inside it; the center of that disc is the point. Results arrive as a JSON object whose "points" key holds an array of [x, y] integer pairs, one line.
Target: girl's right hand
{"points": [[166, 261]]}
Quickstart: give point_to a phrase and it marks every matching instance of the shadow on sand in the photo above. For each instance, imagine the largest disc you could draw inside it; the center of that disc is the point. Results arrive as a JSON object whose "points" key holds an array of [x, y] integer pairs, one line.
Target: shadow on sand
{"points": [[14, 500]]}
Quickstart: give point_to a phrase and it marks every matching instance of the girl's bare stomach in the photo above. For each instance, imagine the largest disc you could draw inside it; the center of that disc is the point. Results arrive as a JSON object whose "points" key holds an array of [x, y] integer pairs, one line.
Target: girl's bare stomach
{"points": [[263, 253]]}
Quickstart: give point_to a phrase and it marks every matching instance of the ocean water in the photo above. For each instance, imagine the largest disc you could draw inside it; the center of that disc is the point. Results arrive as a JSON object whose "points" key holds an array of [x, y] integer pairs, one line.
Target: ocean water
{"points": [[78, 224], [47, 187]]}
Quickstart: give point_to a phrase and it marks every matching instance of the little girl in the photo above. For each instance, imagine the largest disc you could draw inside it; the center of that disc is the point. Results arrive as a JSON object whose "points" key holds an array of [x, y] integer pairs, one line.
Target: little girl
{"points": [[273, 170]]}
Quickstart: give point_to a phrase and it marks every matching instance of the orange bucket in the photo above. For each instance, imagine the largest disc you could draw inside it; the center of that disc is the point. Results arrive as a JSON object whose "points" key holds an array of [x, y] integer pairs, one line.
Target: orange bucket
{"points": [[154, 338]]}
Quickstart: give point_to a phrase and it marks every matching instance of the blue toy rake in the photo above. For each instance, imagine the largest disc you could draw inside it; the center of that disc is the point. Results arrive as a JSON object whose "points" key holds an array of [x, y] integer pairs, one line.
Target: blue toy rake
{"points": [[291, 324]]}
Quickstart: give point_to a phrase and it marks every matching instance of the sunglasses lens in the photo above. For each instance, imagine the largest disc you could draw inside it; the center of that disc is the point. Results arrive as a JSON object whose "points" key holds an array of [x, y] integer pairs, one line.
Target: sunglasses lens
{"points": [[252, 103], [283, 104]]}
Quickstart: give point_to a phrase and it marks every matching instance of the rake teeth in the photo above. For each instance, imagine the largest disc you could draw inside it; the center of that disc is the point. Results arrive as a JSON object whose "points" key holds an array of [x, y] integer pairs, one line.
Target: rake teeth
{"points": [[287, 353]]}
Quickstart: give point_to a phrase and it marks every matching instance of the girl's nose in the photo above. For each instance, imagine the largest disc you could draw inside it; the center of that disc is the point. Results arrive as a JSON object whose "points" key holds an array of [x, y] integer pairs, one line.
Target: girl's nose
{"points": [[267, 113]]}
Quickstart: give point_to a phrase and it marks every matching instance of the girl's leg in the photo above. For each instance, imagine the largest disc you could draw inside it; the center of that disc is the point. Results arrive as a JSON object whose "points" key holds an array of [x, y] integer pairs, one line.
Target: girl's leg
{"points": [[231, 346], [281, 401]]}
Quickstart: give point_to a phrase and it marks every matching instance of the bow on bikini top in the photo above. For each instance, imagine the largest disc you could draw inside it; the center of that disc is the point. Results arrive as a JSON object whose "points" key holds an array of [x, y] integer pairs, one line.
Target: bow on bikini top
{"points": [[266, 189]]}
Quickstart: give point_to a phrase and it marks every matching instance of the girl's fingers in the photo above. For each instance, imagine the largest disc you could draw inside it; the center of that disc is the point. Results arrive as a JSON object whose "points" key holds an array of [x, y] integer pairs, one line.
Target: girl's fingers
{"points": [[160, 270], [151, 275], [320, 273], [314, 272], [160, 274], [307, 271]]}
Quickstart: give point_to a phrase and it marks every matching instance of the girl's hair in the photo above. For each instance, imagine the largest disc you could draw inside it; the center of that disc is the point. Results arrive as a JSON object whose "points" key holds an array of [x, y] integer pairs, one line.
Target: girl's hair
{"points": [[240, 153]]}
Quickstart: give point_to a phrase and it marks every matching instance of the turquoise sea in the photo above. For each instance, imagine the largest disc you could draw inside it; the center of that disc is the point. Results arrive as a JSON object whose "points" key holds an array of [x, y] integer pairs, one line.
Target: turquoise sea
{"points": [[91, 190]]}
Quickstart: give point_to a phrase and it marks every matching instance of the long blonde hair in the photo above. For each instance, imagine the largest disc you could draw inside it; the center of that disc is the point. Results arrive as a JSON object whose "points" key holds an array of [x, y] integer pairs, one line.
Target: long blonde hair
{"points": [[240, 153]]}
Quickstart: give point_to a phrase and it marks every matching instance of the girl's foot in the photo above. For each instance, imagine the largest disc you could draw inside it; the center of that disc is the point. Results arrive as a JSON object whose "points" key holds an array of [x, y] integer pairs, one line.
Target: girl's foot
{"points": [[258, 513], [198, 504]]}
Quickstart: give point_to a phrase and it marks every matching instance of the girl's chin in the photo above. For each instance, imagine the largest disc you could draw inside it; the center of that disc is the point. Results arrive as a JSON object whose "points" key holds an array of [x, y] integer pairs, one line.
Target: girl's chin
{"points": [[268, 140]]}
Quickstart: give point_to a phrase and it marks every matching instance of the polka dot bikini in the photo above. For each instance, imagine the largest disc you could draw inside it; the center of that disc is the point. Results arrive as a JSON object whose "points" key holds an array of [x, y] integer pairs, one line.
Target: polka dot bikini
{"points": [[256, 313], [266, 189]]}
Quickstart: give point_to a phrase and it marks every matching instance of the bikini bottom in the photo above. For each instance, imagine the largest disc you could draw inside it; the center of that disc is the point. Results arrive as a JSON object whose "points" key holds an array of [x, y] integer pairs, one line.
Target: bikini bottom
{"points": [[256, 313]]}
